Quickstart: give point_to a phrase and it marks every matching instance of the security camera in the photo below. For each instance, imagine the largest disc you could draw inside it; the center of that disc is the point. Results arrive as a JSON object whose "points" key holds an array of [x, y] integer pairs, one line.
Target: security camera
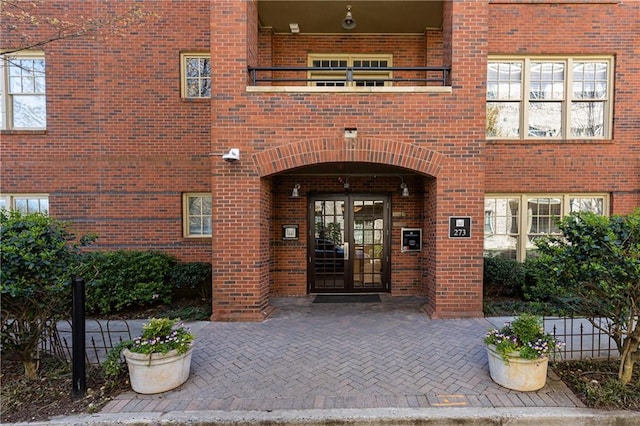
{"points": [[232, 156]]}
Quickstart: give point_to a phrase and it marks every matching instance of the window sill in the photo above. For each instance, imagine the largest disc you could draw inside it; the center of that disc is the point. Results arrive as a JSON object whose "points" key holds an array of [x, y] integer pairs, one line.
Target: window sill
{"points": [[314, 89], [22, 132], [549, 141], [195, 100]]}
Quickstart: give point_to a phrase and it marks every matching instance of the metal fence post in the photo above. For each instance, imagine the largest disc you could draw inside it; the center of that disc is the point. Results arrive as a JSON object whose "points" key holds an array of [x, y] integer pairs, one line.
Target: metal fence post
{"points": [[78, 340]]}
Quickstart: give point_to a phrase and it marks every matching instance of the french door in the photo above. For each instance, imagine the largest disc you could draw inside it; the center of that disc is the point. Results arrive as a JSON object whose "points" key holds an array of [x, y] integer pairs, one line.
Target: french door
{"points": [[348, 248]]}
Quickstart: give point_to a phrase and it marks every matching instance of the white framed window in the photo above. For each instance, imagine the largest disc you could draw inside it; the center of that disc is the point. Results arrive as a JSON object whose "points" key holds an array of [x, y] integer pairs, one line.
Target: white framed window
{"points": [[549, 97], [195, 75], [23, 103], [514, 221], [374, 76], [197, 209], [25, 203]]}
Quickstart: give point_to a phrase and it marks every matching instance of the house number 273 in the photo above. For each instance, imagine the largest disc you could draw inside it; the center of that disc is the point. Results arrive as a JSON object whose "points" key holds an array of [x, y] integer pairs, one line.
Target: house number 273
{"points": [[460, 232]]}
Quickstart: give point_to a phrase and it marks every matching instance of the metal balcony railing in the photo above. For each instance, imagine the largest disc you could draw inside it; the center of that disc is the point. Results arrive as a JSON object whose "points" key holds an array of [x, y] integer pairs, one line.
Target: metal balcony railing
{"points": [[415, 76]]}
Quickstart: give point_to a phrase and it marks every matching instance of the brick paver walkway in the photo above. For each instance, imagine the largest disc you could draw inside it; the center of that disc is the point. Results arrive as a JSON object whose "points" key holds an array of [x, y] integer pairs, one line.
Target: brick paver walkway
{"points": [[369, 355]]}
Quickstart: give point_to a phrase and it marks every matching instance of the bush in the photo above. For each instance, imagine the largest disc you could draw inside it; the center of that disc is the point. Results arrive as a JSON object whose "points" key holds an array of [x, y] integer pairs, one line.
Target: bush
{"points": [[192, 277], [39, 259], [597, 260], [543, 291], [125, 279], [503, 277]]}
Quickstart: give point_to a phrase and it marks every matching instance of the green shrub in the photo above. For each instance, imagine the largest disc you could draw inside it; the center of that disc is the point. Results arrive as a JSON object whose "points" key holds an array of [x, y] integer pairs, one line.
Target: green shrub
{"points": [[539, 285], [39, 258], [597, 261], [126, 279], [503, 277], [192, 277]]}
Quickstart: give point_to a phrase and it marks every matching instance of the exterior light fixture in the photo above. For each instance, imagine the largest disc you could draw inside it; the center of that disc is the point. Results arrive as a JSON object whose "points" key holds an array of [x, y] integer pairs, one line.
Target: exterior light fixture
{"points": [[405, 190], [232, 156], [350, 132], [295, 193], [348, 23], [295, 29], [403, 186]]}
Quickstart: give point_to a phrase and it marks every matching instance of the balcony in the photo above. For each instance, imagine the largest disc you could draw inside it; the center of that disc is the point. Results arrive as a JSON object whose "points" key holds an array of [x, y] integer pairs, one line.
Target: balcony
{"points": [[362, 46]]}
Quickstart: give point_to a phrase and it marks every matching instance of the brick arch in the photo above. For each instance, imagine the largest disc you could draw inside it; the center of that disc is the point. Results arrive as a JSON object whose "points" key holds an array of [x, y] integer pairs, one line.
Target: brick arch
{"points": [[310, 152]]}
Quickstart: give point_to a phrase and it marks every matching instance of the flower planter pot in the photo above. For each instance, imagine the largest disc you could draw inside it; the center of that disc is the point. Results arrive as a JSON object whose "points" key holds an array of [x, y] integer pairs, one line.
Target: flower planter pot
{"points": [[158, 372], [517, 374]]}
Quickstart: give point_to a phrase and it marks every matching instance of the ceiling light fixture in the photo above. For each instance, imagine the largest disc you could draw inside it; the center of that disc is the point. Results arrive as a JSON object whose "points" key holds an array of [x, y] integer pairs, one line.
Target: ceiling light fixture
{"points": [[348, 23]]}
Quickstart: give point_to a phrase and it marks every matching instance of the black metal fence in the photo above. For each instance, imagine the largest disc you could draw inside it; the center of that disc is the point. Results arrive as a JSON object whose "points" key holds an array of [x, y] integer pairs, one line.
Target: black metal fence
{"points": [[342, 76], [101, 337], [581, 339]]}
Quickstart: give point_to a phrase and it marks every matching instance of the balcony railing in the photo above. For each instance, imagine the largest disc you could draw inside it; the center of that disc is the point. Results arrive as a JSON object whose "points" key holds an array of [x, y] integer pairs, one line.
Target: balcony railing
{"points": [[344, 76]]}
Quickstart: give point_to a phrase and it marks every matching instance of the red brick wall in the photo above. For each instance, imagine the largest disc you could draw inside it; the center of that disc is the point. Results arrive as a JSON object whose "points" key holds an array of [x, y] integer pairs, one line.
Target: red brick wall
{"points": [[459, 190], [612, 166], [121, 146], [292, 50], [241, 262], [408, 50], [434, 57]]}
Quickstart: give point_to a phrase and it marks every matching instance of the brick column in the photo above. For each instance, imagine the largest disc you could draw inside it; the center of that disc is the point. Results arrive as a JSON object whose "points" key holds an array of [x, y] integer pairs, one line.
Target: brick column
{"points": [[453, 274], [240, 209]]}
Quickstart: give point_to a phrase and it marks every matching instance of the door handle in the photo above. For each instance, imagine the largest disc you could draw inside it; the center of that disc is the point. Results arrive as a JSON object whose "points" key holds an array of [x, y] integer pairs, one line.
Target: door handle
{"points": [[345, 248]]}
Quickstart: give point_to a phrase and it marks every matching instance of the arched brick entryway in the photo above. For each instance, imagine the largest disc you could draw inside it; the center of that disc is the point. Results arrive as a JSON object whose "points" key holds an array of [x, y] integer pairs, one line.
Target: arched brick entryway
{"points": [[304, 153], [297, 162], [449, 294]]}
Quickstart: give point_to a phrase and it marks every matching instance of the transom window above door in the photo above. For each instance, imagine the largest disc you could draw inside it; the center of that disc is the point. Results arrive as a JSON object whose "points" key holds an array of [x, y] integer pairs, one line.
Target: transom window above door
{"points": [[343, 70]]}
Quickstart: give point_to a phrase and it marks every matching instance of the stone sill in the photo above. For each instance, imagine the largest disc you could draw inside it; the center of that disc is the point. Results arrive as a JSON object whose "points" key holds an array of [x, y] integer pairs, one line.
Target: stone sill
{"points": [[314, 89]]}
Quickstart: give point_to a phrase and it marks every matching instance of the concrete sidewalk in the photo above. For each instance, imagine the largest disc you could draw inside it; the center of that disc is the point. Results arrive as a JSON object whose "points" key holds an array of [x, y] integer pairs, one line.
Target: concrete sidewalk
{"points": [[367, 363]]}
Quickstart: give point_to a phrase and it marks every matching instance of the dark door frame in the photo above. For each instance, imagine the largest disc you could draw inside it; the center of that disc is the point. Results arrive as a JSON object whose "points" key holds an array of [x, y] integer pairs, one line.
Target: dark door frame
{"points": [[348, 271]]}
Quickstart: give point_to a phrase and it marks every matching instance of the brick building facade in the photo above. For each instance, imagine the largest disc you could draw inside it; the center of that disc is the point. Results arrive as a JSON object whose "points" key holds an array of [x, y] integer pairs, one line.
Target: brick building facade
{"points": [[429, 135]]}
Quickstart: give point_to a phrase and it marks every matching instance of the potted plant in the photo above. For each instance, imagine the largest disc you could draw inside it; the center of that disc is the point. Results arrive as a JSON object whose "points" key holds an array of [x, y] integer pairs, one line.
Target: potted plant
{"points": [[158, 360], [519, 353]]}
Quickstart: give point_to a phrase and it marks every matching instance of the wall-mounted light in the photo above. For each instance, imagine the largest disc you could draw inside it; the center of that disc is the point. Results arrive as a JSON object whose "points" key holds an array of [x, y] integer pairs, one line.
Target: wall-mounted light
{"points": [[295, 192], [404, 188], [348, 23], [232, 156], [295, 29], [350, 132]]}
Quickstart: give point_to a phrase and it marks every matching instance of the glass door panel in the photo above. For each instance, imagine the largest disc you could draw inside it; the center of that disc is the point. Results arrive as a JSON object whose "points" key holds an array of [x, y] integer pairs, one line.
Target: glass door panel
{"points": [[329, 249], [368, 240], [349, 251]]}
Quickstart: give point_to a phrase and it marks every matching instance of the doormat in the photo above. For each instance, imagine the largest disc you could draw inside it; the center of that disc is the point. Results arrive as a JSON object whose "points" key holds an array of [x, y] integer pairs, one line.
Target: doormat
{"points": [[347, 298]]}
